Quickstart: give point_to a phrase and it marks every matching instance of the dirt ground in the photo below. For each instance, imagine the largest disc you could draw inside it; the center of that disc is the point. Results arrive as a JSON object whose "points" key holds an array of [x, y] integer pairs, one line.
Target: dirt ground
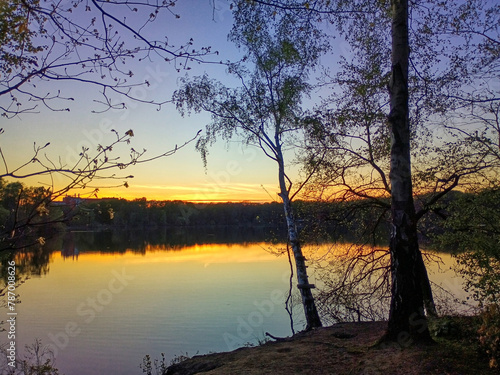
{"points": [[346, 348]]}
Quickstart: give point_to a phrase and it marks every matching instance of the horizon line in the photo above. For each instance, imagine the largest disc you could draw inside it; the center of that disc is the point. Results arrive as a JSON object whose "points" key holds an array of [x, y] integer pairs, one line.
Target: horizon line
{"points": [[60, 199]]}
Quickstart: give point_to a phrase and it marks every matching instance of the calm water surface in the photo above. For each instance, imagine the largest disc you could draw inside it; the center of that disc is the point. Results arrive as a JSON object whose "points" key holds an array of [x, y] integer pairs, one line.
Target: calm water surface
{"points": [[102, 311]]}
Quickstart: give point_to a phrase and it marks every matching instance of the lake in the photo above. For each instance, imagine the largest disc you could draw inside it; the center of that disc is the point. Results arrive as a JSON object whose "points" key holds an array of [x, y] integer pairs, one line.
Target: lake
{"points": [[101, 302]]}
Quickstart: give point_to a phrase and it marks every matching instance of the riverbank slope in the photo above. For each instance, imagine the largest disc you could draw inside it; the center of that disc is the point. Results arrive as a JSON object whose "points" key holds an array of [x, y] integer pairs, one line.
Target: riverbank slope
{"points": [[346, 348]]}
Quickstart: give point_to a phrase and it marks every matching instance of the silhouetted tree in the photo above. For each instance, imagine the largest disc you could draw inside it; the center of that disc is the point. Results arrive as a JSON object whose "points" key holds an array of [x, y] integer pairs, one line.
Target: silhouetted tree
{"points": [[266, 111], [92, 165], [463, 34], [86, 42]]}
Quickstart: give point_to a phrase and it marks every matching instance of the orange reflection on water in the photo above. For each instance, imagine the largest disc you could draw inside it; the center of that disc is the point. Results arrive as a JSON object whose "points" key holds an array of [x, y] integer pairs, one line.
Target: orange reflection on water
{"points": [[213, 253]]}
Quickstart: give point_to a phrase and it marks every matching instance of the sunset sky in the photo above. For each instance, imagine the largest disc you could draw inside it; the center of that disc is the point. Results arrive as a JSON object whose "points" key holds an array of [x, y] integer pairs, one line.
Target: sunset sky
{"points": [[234, 172]]}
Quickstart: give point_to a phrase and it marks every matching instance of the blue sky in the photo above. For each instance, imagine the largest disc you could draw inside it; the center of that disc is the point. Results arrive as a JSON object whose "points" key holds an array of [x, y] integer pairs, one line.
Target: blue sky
{"points": [[234, 172]]}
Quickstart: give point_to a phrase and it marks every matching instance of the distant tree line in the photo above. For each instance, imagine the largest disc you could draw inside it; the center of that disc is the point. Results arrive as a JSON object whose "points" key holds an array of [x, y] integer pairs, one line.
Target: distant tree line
{"points": [[21, 210], [143, 214], [316, 220]]}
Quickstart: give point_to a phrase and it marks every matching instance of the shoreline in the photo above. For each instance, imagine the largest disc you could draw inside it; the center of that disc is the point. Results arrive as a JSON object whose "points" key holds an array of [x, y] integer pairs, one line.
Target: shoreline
{"points": [[341, 349]]}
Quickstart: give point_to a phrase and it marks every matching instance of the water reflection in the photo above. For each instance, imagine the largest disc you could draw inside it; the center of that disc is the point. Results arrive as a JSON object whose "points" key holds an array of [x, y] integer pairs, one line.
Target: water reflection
{"points": [[104, 300], [169, 238], [104, 310]]}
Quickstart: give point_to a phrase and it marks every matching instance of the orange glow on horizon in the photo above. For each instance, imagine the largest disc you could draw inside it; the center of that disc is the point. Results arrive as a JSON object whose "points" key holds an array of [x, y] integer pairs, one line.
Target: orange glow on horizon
{"points": [[179, 193]]}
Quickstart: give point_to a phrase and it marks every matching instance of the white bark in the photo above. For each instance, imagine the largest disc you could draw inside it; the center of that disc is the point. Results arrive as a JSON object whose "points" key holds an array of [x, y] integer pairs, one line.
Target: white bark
{"points": [[312, 317]]}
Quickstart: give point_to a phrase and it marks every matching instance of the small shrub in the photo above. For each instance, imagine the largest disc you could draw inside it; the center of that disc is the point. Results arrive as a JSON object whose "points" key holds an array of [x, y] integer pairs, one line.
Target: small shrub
{"points": [[445, 327], [38, 360], [489, 333], [159, 366], [179, 358]]}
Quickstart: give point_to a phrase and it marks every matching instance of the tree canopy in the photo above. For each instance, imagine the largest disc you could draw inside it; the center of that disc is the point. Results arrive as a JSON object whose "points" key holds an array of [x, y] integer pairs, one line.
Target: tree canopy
{"points": [[88, 42]]}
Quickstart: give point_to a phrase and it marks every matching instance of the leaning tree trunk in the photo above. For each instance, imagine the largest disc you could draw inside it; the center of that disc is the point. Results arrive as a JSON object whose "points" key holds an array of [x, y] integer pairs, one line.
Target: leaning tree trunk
{"points": [[407, 320], [312, 317]]}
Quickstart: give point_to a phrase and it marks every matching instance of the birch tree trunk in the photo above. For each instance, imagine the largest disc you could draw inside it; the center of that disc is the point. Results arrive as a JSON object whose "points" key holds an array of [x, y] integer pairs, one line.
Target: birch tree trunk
{"points": [[312, 317], [429, 305], [407, 320]]}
